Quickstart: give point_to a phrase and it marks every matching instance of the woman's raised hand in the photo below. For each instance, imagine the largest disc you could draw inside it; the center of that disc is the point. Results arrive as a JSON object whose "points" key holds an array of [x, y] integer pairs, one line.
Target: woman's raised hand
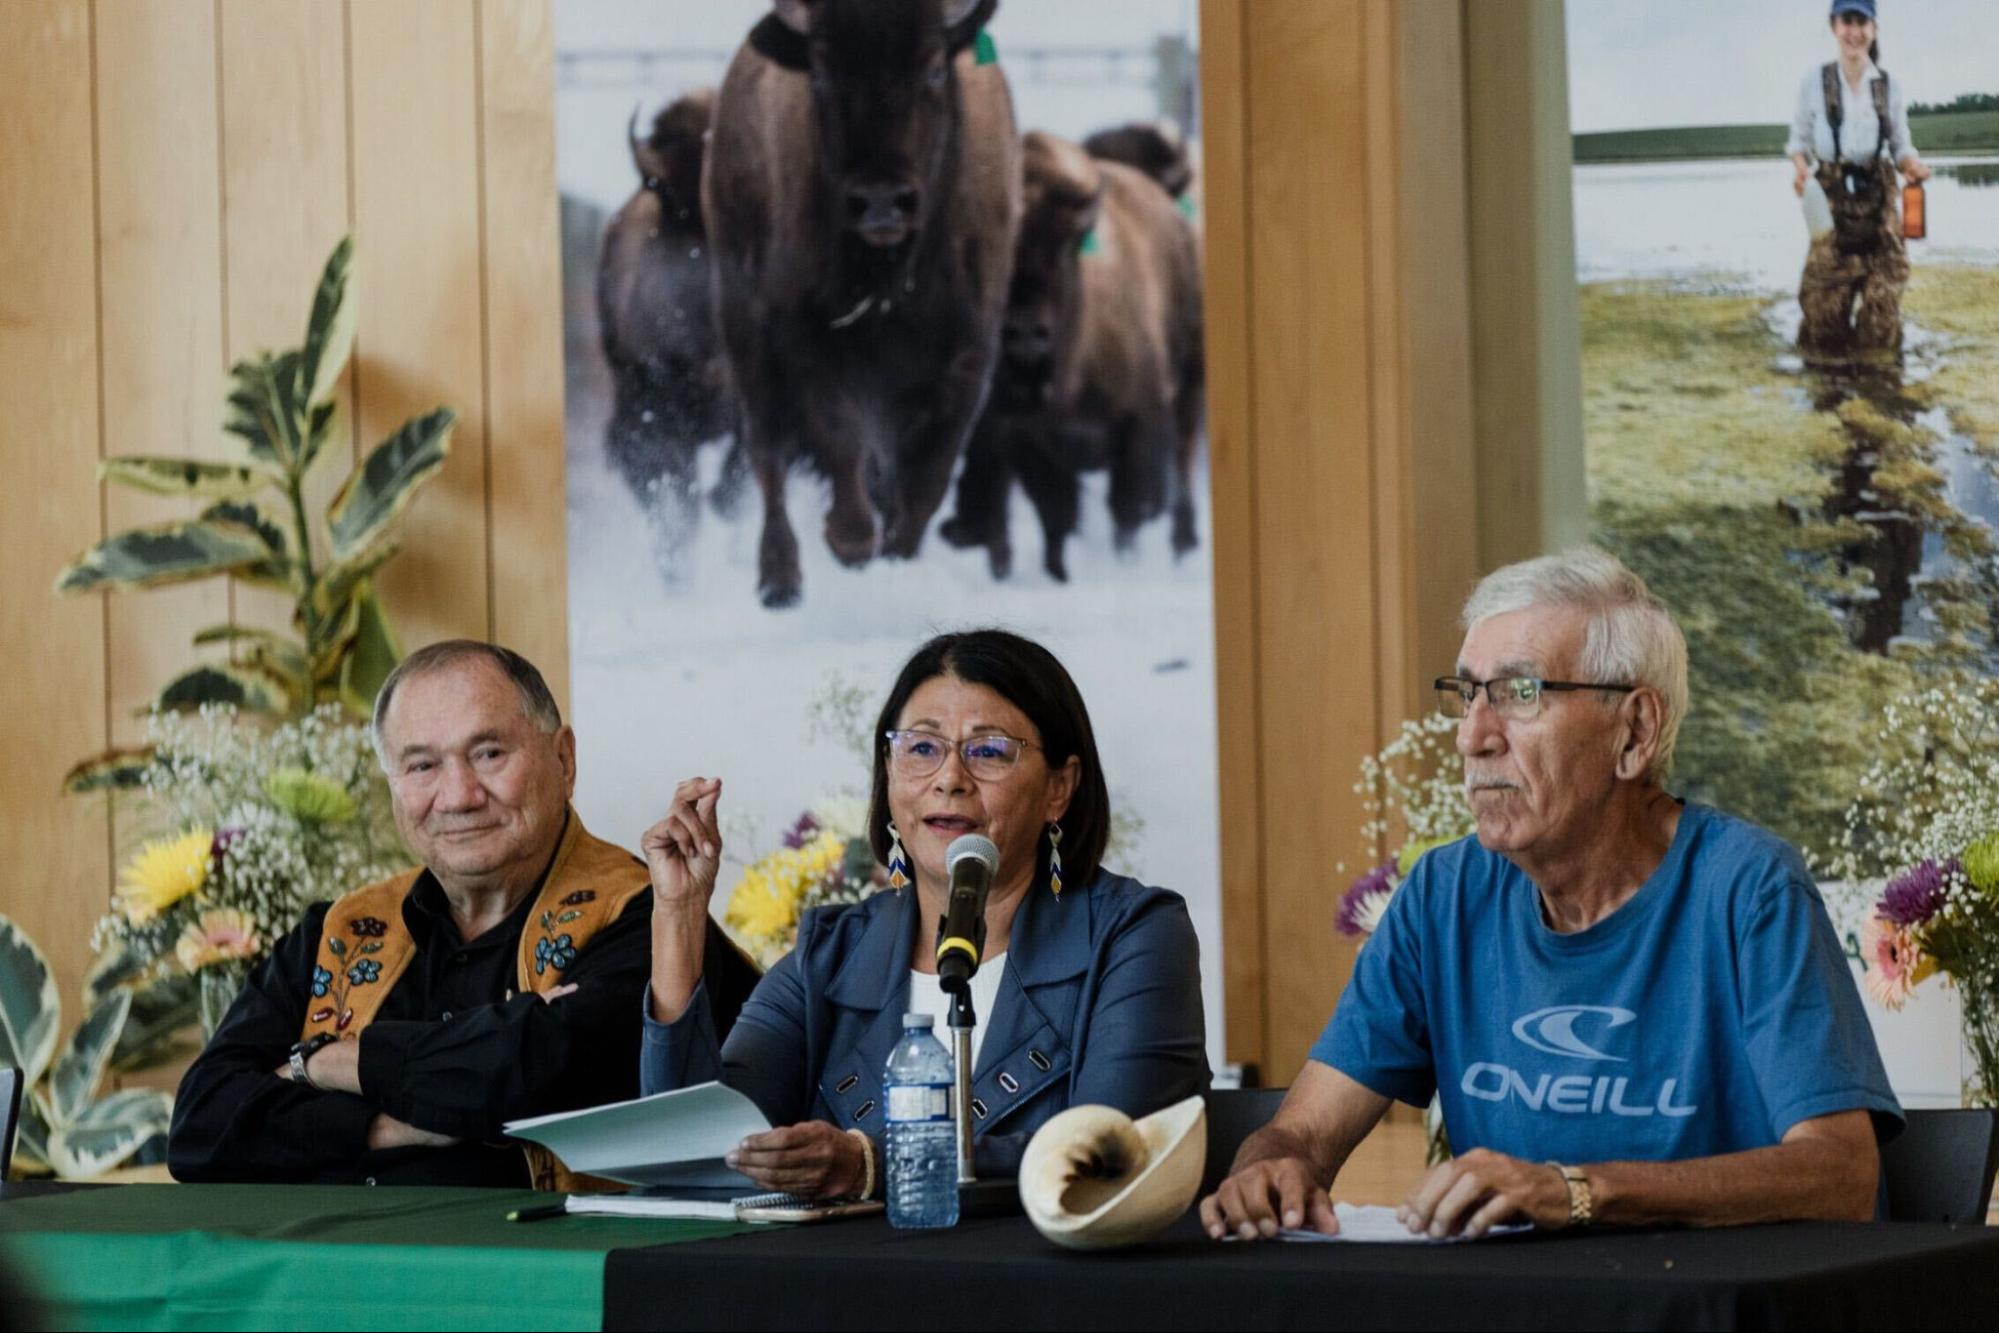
{"points": [[683, 851]]}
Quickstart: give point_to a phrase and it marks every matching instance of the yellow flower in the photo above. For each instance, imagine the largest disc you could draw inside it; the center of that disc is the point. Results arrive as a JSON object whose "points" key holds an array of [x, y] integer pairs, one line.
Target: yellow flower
{"points": [[221, 934], [162, 873], [1405, 860], [310, 797], [765, 903]]}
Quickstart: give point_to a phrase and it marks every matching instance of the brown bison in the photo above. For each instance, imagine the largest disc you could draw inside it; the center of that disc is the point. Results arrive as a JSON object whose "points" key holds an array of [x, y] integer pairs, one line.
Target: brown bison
{"points": [[861, 195], [1155, 147], [654, 309], [1100, 363]]}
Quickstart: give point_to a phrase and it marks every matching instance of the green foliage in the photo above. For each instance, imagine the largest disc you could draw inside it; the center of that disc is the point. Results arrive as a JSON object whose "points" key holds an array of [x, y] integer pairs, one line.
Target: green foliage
{"points": [[1957, 131], [281, 408], [1732, 486], [65, 1127]]}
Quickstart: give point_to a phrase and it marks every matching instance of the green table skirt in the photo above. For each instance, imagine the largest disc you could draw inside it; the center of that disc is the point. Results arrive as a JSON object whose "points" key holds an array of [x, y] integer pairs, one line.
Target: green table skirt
{"points": [[315, 1256]]}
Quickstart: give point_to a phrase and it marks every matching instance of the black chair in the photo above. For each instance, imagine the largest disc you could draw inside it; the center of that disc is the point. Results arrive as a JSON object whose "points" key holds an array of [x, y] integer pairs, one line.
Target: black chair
{"points": [[1233, 1115], [10, 1115], [1940, 1167]]}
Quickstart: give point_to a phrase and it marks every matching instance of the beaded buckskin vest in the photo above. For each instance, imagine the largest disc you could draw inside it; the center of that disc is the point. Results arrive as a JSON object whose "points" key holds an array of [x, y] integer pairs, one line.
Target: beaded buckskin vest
{"points": [[364, 948]]}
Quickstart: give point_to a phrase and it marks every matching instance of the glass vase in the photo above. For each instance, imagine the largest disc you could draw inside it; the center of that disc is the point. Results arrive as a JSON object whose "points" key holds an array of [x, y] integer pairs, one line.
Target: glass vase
{"points": [[218, 984], [1980, 1000]]}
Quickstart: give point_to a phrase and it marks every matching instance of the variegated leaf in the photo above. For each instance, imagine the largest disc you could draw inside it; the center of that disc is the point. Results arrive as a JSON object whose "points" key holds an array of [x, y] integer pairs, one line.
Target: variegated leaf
{"points": [[114, 770], [193, 477], [373, 656], [31, 1141], [329, 331], [165, 553], [251, 691], [266, 646], [387, 480], [264, 409], [108, 1133], [338, 585], [30, 1009], [81, 1064], [157, 1030]]}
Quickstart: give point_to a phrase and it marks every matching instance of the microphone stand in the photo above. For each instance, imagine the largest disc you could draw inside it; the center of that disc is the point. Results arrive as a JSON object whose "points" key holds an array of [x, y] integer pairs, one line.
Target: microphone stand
{"points": [[961, 1023]]}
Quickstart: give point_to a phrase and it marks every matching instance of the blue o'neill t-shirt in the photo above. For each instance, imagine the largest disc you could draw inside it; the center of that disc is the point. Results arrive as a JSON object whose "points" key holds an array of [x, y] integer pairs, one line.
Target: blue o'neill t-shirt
{"points": [[1708, 1014]]}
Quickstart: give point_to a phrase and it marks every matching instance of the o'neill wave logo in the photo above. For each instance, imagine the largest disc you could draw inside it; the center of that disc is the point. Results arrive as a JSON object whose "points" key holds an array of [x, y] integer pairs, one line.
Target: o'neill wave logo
{"points": [[1554, 1029], [1553, 1032]]}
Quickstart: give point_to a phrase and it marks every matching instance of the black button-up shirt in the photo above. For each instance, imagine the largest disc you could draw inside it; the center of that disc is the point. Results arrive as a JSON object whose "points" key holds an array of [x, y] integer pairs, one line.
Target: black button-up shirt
{"points": [[453, 1050]]}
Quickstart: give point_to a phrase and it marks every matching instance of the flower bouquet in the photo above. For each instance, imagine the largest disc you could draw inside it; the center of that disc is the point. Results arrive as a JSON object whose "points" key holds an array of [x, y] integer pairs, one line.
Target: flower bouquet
{"points": [[1413, 791], [1927, 817], [252, 822], [824, 858]]}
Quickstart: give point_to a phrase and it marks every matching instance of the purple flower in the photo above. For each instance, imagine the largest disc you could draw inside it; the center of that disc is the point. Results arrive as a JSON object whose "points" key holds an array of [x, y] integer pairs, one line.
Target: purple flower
{"points": [[1914, 896], [1360, 906], [802, 832]]}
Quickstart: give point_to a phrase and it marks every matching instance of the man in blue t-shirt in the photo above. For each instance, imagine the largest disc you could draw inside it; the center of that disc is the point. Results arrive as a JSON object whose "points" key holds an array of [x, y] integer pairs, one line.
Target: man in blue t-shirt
{"points": [[1634, 1009]]}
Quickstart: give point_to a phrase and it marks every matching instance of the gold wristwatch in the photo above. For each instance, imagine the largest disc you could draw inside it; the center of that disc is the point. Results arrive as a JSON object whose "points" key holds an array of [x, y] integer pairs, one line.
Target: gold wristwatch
{"points": [[1577, 1183]]}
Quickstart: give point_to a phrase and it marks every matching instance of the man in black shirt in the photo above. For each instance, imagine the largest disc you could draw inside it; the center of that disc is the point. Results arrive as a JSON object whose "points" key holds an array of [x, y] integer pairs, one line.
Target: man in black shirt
{"points": [[387, 1037]]}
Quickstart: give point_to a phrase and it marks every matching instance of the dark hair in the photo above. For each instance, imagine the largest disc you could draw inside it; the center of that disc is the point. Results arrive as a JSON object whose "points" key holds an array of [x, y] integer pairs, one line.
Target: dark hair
{"points": [[536, 701], [1030, 678]]}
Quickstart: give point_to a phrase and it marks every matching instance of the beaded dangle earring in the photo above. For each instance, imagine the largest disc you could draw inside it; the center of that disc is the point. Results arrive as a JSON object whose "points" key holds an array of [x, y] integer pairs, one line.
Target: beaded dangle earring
{"points": [[898, 860], [1055, 858]]}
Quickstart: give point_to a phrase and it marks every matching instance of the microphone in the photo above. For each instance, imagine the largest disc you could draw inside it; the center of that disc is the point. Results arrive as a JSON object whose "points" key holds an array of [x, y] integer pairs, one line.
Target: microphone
{"points": [[973, 863]]}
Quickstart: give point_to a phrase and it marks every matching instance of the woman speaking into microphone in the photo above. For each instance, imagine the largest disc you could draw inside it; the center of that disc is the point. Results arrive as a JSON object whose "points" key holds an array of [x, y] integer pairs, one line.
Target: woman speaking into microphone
{"points": [[1088, 987]]}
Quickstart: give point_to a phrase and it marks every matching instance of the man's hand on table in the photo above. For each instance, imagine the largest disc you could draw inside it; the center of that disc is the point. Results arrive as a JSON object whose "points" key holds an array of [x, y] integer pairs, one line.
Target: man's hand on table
{"points": [[1266, 1195], [1470, 1195]]}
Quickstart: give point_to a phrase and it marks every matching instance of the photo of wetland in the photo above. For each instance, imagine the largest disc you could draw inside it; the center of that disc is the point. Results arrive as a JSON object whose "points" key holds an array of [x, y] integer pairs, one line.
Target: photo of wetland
{"points": [[1823, 523]]}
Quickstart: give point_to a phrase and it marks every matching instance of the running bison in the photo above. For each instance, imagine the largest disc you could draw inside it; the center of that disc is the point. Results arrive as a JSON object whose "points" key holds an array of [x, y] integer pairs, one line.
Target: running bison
{"points": [[862, 193], [1100, 364], [670, 383]]}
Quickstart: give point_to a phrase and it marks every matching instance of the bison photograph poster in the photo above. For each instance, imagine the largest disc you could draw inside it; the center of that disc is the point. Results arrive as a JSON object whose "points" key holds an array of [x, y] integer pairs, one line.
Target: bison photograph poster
{"points": [[881, 320], [1790, 379]]}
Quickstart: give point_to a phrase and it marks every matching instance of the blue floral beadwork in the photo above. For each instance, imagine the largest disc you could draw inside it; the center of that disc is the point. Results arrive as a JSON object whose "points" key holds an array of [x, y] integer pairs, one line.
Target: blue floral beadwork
{"points": [[322, 981], [364, 972], [557, 953]]}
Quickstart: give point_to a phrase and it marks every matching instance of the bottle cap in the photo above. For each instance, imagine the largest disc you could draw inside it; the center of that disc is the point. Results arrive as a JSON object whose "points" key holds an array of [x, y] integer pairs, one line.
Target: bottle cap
{"points": [[923, 1021]]}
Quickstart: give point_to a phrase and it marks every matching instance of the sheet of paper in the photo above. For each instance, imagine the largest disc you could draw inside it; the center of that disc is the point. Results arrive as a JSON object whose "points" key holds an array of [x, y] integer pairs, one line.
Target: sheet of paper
{"points": [[667, 1138], [1375, 1223]]}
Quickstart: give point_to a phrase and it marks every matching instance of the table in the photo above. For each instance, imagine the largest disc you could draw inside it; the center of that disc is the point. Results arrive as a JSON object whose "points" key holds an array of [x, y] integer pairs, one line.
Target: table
{"points": [[242, 1256], [1000, 1274], [311, 1256]]}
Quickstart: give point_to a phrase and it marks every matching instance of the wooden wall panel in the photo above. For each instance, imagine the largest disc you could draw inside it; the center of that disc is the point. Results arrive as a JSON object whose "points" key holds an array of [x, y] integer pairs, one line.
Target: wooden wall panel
{"points": [[415, 113], [522, 278], [1317, 635], [234, 142], [286, 203], [1341, 454], [1231, 344], [56, 852], [160, 263]]}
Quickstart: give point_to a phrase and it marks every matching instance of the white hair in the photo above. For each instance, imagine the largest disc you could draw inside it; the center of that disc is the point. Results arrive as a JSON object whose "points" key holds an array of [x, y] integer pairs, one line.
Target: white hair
{"points": [[1631, 638]]}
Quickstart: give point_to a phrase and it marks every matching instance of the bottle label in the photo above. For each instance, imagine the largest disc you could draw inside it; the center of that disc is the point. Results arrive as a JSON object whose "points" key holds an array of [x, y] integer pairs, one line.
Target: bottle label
{"points": [[918, 1102]]}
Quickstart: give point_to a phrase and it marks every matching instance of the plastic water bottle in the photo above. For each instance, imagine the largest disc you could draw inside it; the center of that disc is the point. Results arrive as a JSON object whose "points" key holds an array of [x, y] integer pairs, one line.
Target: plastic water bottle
{"points": [[922, 1140]]}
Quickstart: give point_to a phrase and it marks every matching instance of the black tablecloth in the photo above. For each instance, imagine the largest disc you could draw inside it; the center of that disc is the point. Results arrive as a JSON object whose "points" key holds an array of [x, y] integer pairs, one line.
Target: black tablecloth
{"points": [[1000, 1274]]}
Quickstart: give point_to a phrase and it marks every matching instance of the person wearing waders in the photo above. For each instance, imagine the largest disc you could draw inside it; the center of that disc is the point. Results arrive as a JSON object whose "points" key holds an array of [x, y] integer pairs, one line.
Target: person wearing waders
{"points": [[1850, 131]]}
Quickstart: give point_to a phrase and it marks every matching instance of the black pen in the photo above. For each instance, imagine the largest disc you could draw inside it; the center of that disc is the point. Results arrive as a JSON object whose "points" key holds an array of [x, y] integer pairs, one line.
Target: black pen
{"points": [[537, 1214]]}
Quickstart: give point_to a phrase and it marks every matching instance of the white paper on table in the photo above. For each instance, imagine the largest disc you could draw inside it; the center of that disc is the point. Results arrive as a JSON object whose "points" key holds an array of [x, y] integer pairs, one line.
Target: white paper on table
{"points": [[1375, 1224], [668, 1138]]}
